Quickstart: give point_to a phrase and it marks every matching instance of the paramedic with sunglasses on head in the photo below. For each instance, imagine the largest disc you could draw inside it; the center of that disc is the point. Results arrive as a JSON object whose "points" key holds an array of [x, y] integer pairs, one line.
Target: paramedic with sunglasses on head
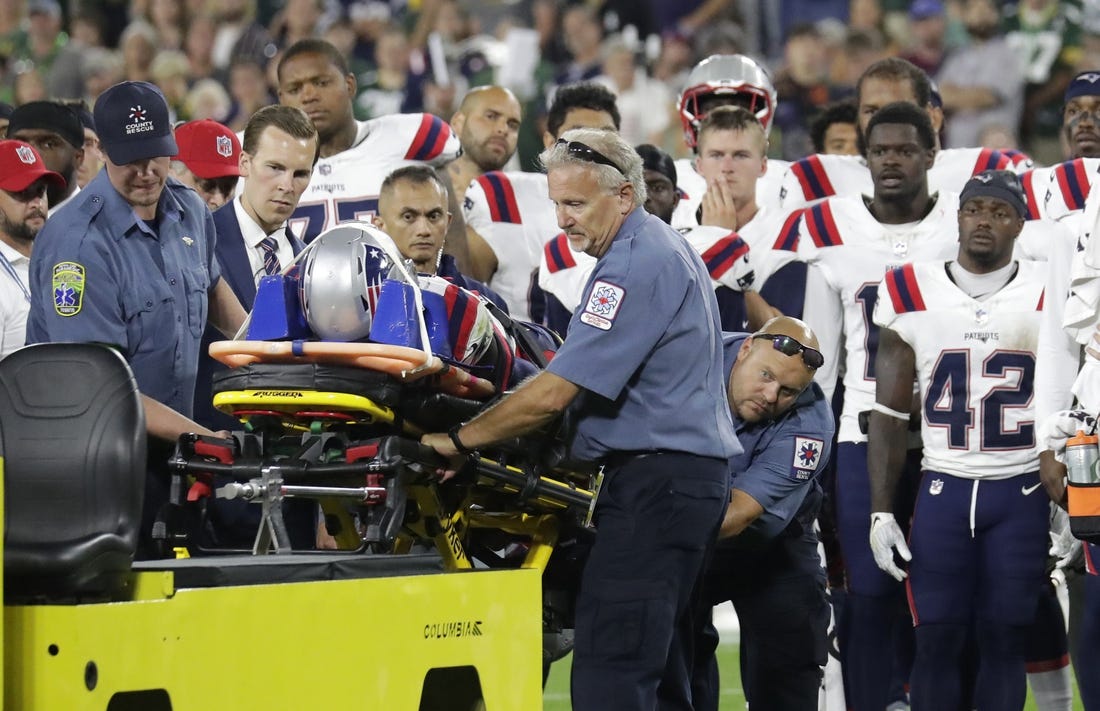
{"points": [[641, 372], [766, 560]]}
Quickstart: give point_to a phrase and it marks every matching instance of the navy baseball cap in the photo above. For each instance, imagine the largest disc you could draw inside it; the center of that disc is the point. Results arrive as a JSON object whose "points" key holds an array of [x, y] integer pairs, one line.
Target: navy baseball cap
{"points": [[653, 158], [132, 121], [1084, 84], [1000, 184]]}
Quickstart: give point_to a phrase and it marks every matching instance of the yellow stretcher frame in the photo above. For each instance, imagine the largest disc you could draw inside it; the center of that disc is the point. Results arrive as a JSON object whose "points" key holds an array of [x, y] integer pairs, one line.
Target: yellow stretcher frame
{"points": [[358, 643]]}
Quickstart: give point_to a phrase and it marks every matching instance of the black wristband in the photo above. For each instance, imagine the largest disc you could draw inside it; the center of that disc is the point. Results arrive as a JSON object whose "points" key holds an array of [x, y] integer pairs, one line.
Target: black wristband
{"points": [[453, 434]]}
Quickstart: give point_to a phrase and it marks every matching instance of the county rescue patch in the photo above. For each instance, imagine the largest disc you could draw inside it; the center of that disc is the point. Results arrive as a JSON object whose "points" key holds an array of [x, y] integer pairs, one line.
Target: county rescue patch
{"points": [[68, 288], [602, 305], [807, 457]]}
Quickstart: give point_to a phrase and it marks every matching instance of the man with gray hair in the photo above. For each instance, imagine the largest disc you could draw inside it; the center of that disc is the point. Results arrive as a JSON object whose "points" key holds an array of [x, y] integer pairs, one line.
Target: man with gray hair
{"points": [[643, 376]]}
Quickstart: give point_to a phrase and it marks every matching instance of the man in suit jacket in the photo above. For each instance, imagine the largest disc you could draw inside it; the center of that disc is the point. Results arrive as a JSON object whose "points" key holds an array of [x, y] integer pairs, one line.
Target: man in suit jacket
{"points": [[277, 157]]}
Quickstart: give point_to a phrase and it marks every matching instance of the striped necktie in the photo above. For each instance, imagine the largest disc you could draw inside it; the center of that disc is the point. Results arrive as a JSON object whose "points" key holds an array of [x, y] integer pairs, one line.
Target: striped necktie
{"points": [[271, 256]]}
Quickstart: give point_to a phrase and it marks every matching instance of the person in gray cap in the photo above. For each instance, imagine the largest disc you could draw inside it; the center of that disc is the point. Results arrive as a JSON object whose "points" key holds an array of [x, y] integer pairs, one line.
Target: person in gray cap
{"points": [[131, 263], [54, 130]]}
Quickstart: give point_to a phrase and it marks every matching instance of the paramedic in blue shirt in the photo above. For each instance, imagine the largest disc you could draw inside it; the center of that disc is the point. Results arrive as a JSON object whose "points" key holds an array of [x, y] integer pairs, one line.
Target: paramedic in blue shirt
{"points": [[766, 561], [130, 263], [641, 373]]}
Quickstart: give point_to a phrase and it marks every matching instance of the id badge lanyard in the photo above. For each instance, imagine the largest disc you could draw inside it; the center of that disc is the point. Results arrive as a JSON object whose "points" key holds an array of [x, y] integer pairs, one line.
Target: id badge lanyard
{"points": [[7, 266]]}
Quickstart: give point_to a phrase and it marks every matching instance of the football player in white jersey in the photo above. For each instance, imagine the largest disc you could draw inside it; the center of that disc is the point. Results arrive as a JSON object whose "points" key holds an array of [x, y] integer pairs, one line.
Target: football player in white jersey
{"points": [[967, 330], [723, 80], [1060, 190], [509, 215], [355, 156], [850, 243], [564, 273], [732, 147], [886, 81]]}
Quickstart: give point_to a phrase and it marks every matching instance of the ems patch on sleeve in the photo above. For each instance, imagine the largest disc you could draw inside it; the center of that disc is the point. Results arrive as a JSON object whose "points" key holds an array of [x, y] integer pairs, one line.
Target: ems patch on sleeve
{"points": [[807, 456], [68, 288], [602, 305]]}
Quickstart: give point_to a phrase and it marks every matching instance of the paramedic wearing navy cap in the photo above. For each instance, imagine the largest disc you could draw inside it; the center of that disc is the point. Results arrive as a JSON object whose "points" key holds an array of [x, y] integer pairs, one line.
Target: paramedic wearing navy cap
{"points": [[641, 372], [130, 262], [785, 425]]}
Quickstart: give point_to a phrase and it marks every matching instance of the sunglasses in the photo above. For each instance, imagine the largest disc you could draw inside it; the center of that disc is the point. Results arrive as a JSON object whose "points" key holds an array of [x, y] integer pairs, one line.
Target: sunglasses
{"points": [[791, 347], [224, 185], [587, 153]]}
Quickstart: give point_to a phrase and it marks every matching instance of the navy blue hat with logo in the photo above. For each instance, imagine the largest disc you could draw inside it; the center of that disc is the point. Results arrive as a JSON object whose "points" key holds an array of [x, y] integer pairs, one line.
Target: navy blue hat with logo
{"points": [[131, 119], [1000, 184], [1084, 84]]}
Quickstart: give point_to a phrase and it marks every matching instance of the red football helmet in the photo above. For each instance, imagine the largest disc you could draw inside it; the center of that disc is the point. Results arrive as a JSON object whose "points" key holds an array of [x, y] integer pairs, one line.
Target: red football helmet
{"points": [[733, 75]]}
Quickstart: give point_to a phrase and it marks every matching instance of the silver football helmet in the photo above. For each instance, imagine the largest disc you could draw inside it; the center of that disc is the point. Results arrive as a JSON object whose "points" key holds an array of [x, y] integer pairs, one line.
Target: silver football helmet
{"points": [[733, 75], [342, 276]]}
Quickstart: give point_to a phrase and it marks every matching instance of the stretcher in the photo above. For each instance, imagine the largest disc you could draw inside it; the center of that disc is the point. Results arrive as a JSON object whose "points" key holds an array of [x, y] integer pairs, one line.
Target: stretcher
{"points": [[275, 625], [338, 421]]}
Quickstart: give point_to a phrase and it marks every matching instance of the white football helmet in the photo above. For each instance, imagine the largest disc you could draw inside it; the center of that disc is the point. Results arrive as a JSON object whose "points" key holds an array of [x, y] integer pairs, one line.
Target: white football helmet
{"points": [[733, 75]]}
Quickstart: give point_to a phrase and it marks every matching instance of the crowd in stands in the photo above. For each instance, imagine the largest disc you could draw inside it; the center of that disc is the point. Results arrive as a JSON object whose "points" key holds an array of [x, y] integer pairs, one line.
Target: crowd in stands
{"points": [[1001, 67]]}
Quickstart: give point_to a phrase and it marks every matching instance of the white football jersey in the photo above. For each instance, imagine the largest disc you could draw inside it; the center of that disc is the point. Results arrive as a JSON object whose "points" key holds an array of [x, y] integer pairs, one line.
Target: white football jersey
{"points": [[692, 186], [820, 176], [564, 273], [954, 166], [513, 213], [345, 186], [849, 252], [975, 363], [1059, 190]]}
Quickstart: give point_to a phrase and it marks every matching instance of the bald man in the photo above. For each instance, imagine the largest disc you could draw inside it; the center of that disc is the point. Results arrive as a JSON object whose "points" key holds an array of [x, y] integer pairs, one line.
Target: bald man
{"points": [[785, 426], [487, 125]]}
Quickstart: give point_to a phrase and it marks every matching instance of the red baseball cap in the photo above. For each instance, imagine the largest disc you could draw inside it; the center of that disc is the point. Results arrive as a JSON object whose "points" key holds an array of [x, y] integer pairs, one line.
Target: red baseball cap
{"points": [[20, 165], [208, 149]]}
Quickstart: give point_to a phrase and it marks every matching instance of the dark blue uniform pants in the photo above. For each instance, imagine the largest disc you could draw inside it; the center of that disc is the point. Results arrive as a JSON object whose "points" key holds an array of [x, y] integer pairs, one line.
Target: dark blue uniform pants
{"points": [[657, 517], [779, 595]]}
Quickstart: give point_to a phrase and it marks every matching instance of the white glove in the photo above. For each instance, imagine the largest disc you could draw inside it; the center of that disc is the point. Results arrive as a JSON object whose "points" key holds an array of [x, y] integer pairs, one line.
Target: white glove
{"points": [[886, 536], [1057, 428], [1063, 545]]}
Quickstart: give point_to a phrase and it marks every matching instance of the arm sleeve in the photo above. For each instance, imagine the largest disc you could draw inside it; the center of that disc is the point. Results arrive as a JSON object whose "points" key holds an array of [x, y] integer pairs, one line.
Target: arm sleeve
{"points": [[603, 359], [725, 254], [99, 317], [1057, 355], [824, 314], [781, 472], [791, 195]]}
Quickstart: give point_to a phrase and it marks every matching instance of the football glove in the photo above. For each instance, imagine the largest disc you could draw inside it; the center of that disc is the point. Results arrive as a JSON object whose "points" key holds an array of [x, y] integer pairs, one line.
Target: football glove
{"points": [[1057, 428], [886, 537]]}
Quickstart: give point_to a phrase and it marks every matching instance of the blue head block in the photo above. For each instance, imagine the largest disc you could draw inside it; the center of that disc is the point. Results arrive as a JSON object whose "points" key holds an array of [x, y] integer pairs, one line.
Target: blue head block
{"points": [[277, 312], [395, 319]]}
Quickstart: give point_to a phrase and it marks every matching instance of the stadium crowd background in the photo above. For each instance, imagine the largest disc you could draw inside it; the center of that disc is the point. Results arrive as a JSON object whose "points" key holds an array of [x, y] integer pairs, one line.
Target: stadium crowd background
{"points": [[216, 58]]}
